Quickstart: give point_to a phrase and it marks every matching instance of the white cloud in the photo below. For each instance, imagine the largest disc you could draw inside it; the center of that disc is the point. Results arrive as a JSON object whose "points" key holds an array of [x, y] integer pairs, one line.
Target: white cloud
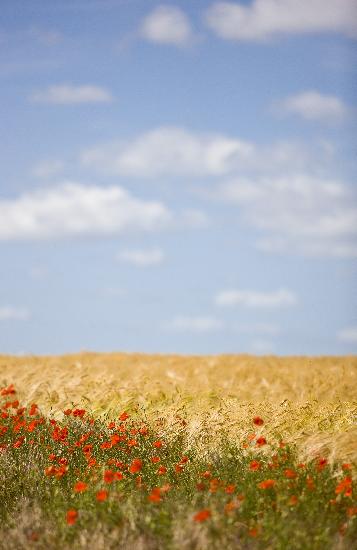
{"points": [[262, 20], [313, 105], [142, 258], [48, 169], [194, 324], [67, 94], [167, 25], [11, 313], [74, 209], [348, 334], [172, 151], [255, 299], [300, 214]]}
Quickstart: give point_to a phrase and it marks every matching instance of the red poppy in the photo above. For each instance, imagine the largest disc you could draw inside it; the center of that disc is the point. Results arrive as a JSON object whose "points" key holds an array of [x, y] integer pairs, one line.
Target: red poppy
{"points": [[290, 474], [108, 476], [123, 416], [80, 487], [321, 464], [254, 466], [293, 500], [155, 459], [253, 532], [67, 412], [261, 441], [101, 495], [71, 517], [258, 421], [155, 495], [157, 444], [230, 489], [267, 484], [162, 470], [203, 515], [135, 466]]}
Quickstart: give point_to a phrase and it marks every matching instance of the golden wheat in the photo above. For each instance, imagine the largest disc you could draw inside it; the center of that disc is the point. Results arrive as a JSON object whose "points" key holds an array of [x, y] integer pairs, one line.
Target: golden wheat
{"points": [[308, 400]]}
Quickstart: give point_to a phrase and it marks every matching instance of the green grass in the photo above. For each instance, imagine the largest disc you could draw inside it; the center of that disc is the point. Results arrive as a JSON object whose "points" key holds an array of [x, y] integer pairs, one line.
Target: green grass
{"points": [[302, 509]]}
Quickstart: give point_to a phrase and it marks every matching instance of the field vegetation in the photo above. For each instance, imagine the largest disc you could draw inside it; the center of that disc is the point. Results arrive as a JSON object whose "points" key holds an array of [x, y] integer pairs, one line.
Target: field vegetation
{"points": [[155, 452]]}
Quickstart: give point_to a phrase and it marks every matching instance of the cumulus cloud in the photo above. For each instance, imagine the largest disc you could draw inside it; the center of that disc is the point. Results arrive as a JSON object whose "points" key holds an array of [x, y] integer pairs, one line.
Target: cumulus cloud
{"points": [[67, 94], [174, 152], [300, 214], [11, 313], [167, 25], [262, 20], [256, 299], [194, 324], [348, 335], [312, 105], [142, 258], [74, 209]]}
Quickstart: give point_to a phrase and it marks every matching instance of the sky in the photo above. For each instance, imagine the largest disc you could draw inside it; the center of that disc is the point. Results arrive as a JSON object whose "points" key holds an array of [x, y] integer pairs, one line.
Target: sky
{"points": [[178, 177]]}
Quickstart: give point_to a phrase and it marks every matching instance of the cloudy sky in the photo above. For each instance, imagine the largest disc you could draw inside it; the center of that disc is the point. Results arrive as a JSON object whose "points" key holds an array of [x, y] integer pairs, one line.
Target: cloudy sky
{"points": [[178, 177]]}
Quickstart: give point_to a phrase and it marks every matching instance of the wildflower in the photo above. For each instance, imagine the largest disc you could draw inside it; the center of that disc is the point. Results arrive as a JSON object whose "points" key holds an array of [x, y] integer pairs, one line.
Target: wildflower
{"points": [[18, 443], [321, 464], [157, 444], [118, 476], [132, 443], [352, 511], [293, 500], [123, 416], [155, 459], [203, 515], [200, 486], [253, 532], [111, 425], [79, 412], [108, 476], [101, 495], [346, 466], [144, 431], [8, 391], [261, 441], [290, 474], [71, 517], [33, 409], [67, 412], [155, 495], [184, 459], [178, 468], [254, 466], [267, 484], [301, 465], [230, 489], [344, 485], [80, 487], [258, 421], [213, 485], [162, 470], [207, 474], [135, 466]]}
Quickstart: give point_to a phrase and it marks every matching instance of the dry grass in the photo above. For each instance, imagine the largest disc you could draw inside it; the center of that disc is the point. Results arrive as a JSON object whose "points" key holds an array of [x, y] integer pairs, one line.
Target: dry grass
{"points": [[311, 401]]}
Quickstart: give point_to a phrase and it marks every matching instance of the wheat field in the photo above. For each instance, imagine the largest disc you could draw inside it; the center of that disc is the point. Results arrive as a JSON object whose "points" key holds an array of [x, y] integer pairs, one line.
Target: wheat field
{"points": [[310, 401]]}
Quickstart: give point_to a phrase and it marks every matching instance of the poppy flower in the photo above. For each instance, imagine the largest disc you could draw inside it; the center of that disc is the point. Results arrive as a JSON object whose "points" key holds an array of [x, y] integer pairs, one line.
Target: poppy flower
{"points": [[267, 484], [207, 474], [321, 464], [200, 486], [254, 466], [67, 412], [184, 459], [123, 416], [162, 470], [290, 474], [261, 441], [135, 466], [253, 532], [293, 500], [102, 495], [155, 495], [203, 515], [230, 489], [178, 468], [157, 444], [352, 511], [155, 459], [132, 443], [346, 466], [71, 517], [108, 476], [231, 506], [80, 487], [258, 421], [344, 485]]}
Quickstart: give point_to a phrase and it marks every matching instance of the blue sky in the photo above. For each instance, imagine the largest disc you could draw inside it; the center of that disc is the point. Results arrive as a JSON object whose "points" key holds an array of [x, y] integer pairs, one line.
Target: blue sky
{"points": [[178, 177]]}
